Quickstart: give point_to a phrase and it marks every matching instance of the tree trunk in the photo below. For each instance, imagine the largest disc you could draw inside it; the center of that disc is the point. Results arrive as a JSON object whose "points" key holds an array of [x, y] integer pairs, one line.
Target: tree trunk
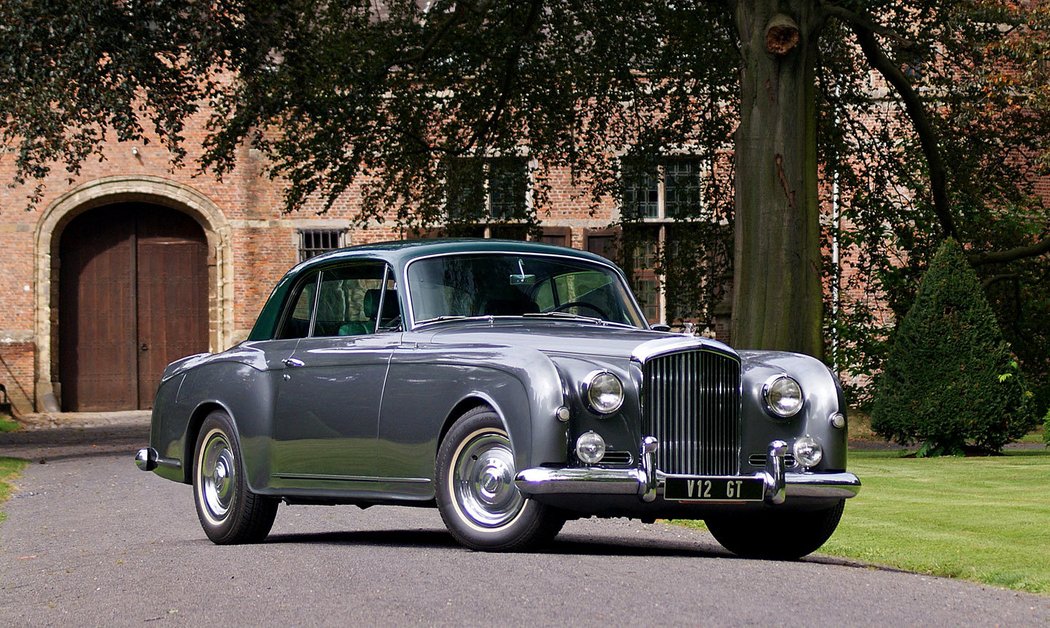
{"points": [[777, 298]]}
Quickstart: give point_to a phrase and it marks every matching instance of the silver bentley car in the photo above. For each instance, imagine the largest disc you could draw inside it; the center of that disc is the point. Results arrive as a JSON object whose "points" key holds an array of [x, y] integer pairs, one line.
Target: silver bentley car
{"points": [[512, 385]]}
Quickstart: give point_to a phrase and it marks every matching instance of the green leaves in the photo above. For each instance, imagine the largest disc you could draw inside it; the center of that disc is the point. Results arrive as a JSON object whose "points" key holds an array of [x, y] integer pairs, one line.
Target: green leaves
{"points": [[950, 380]]}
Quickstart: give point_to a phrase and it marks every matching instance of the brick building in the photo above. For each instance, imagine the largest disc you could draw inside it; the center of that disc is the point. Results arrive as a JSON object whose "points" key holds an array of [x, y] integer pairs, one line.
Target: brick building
{"points": [[129, 264]]}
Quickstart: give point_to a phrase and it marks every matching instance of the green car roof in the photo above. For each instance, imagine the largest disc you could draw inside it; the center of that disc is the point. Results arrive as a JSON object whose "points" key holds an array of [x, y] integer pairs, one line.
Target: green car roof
{"points": [[398, 254]]}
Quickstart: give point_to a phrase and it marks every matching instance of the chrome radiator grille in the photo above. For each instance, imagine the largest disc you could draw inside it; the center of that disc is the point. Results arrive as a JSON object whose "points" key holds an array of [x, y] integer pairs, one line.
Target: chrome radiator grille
{"points": [[691, 404]]}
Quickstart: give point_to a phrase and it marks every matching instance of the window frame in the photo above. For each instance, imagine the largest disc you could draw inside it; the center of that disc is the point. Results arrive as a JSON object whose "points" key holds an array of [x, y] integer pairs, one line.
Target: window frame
{"points": [[663, 221], [307, 252], [487, 166], [634, 170]]}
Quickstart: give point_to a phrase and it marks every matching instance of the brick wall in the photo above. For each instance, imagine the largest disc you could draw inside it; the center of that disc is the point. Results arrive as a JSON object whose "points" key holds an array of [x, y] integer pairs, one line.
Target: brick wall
{"points": [[253, 243]]}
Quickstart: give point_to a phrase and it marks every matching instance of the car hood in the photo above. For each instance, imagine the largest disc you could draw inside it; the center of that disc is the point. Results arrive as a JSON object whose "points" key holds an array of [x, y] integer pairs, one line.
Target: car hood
{"points": [[574, 338]]}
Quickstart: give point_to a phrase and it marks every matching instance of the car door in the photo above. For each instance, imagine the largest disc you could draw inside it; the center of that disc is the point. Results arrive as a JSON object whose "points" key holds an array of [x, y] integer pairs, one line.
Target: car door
{"points": [[327, 410]]}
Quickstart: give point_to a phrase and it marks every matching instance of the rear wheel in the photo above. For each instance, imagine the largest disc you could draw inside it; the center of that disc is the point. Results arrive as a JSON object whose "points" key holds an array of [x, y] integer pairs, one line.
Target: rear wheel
{"points": [[476, 495], [228, 510], [776, 534]]}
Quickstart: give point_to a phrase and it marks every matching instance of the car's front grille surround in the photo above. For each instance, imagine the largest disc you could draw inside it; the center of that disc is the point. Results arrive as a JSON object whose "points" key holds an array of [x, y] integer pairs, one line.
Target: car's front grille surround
{"points": [[691, 404]]}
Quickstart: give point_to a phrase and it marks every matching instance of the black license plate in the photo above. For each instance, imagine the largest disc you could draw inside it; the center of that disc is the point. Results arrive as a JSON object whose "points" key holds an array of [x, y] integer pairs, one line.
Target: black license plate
{"points": [[701, 489]]}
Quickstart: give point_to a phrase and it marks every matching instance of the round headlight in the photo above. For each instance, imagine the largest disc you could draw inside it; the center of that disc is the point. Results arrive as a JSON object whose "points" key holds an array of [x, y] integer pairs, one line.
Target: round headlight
{"points": [[604, 392], [590, 447], [808, 452], [783, 396]]}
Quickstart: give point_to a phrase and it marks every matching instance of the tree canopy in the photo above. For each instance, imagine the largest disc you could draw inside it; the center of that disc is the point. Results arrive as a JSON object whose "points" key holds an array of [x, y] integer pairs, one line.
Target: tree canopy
{"points": [[922, 119]]}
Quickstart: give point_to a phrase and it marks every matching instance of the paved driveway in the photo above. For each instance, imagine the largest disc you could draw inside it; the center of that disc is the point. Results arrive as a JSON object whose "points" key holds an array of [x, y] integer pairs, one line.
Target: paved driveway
{"points": [[90, 540]]}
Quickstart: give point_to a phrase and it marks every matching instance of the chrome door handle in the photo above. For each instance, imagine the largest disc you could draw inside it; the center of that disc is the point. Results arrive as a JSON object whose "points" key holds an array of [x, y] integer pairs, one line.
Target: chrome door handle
{"points": [[293, 362]]}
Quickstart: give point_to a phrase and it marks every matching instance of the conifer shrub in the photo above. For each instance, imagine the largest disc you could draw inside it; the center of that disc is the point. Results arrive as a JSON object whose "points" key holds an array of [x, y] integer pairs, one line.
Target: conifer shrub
{"points": [[950, 381]]}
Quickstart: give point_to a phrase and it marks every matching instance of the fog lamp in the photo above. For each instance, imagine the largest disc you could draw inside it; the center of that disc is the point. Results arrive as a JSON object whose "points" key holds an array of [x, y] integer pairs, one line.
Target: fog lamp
{"points": [[783, 396], [808, 452], [590, 448]]}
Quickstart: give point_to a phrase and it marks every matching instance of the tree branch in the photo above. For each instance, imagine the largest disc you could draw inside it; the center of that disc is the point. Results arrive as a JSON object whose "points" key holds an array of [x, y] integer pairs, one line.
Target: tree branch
{"points": [[459, 12], [862, 21], [510, 75], [994, 279], [1041, 247], [913, 104]]}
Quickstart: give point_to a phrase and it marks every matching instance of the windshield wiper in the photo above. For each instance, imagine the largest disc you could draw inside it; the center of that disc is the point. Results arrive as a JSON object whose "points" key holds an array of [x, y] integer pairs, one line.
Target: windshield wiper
{"points": [[449, 317], [577, 317]]}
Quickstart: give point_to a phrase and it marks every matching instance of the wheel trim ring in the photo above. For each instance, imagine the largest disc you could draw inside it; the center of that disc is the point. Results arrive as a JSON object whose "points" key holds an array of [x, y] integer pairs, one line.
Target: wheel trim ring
{"points": [[481, 481], [217, 477]]}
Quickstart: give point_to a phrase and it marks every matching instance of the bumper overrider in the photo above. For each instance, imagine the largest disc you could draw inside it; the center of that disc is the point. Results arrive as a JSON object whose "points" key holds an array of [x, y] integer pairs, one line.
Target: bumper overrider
{"points": [[647, 483], [148, 459]]}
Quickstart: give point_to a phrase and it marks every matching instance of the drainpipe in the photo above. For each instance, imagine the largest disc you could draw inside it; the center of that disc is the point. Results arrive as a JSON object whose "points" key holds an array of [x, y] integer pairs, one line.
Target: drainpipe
{"points": [[836, 275]]}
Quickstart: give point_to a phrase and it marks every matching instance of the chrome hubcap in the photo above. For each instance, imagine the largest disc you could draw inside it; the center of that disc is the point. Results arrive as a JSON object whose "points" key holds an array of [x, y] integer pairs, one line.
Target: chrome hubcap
{"points": [[218, 476], [483, 480]]}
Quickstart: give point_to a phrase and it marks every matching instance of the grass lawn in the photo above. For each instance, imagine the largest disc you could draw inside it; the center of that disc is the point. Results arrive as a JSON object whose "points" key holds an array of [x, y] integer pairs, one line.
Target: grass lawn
{"points": [[980, 519], [9, 470], [7, 424]]}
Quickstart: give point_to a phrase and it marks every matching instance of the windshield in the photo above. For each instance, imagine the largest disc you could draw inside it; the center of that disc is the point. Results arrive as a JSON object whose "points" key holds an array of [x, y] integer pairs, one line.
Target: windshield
{"points": [[506, 284]]}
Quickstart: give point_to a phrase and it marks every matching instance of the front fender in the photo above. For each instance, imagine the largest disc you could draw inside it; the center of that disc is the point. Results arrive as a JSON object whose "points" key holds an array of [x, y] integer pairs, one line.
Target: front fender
{"points": [[427, 384], [822, 398]]}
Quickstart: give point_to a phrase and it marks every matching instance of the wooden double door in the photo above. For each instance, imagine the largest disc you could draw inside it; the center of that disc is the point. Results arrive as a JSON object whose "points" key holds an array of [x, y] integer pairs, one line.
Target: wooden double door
{"points": [[133, 296]]}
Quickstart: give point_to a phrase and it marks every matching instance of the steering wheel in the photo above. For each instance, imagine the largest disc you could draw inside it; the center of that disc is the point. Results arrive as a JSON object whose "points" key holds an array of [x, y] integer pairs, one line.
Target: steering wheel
{"points": [[582, 304]]}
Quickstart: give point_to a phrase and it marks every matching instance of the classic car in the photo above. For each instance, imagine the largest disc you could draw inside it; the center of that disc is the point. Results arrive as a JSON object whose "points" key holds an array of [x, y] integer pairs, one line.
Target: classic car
{"points": [[511, 385]]}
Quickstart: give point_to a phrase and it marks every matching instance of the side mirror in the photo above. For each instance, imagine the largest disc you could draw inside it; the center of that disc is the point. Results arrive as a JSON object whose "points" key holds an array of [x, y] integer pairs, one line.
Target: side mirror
{"points": [[660, 327]]}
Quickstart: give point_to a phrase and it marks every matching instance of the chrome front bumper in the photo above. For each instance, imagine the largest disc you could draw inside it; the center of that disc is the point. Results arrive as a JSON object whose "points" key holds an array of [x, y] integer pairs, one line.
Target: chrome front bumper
{"points": [[646, 482]]}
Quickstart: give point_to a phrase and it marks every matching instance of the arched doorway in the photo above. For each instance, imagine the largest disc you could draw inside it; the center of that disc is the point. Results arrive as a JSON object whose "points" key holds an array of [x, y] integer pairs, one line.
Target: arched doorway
{"points": [[133, 296]]}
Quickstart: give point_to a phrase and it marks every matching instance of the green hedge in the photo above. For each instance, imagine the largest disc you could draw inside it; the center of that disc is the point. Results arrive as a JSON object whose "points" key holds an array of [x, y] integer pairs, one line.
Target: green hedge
{"points": [[950, 380]]}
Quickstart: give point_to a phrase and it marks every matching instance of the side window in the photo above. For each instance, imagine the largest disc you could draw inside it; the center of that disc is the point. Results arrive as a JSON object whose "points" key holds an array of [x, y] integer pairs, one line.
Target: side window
{"points": [[357, 299], [297, 322]]}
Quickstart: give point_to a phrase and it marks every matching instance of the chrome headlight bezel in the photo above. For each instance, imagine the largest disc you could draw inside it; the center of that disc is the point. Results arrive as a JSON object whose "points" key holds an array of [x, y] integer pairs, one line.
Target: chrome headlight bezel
{"points": [[603, 392], [783, 396]]}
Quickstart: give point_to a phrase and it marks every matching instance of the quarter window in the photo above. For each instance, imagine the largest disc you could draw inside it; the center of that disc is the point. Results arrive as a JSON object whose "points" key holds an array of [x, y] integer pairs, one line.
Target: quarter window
{"points": [[296, 322]]}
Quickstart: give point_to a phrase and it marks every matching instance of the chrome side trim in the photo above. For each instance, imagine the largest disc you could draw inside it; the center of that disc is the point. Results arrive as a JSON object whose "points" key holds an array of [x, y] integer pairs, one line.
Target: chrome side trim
{"points": [[349, 478]]}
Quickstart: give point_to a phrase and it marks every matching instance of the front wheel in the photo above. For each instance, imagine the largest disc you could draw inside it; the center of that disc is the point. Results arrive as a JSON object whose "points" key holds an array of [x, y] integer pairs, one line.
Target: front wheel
{"points": [[776, 534], [228, 510], [476, 495]]}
